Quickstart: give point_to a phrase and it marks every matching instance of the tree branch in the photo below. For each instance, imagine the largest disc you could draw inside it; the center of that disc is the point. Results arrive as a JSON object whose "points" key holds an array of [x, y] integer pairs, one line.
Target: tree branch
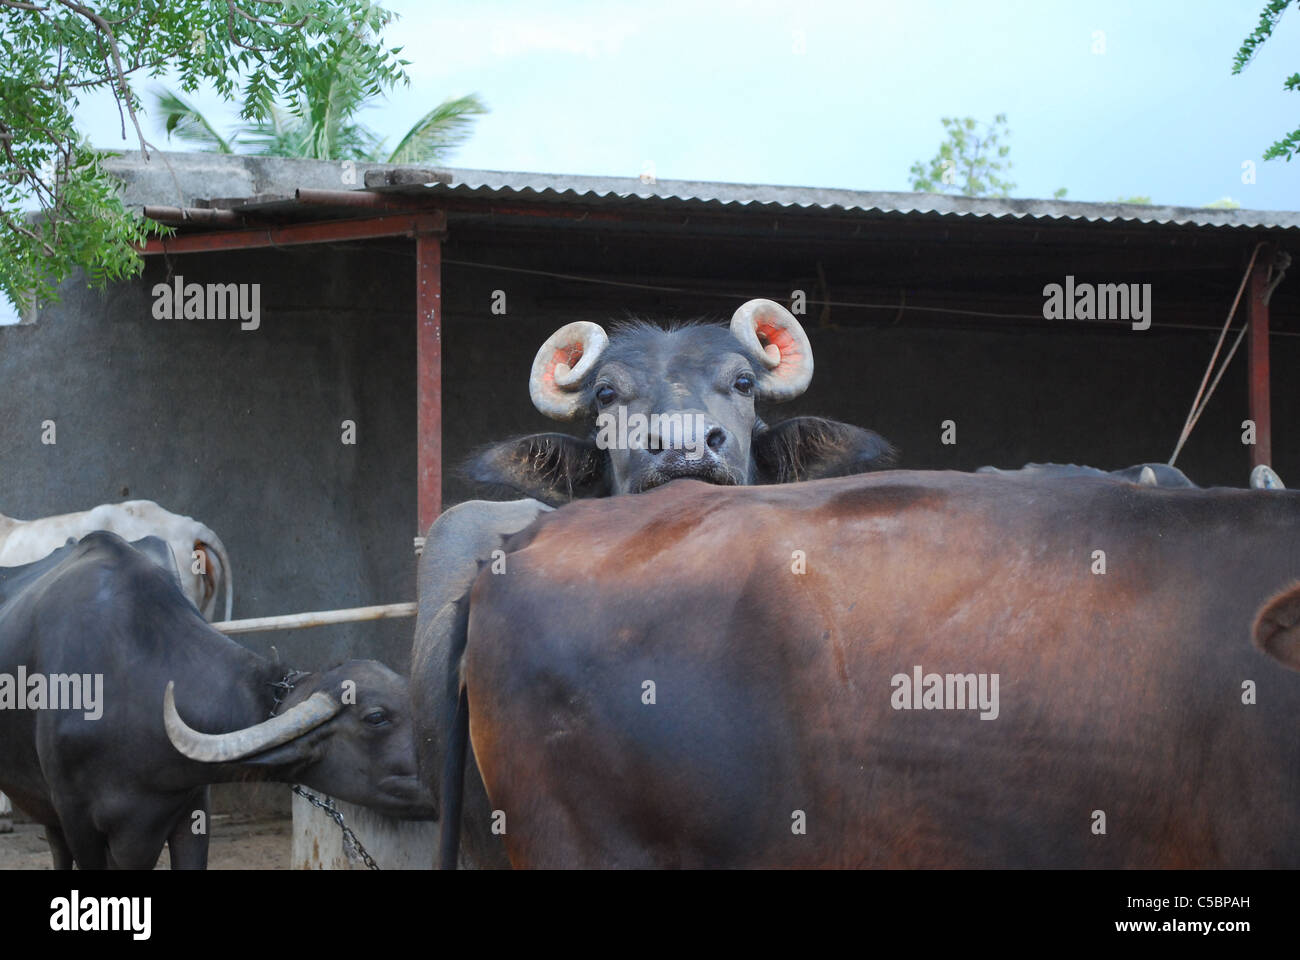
{"points": [[34, 237], [123, 87], [266, 23]]}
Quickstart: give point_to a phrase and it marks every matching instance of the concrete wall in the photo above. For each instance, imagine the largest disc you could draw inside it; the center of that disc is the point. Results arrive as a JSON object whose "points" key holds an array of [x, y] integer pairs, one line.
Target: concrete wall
{"points": [[393, 844], [239, 429]]}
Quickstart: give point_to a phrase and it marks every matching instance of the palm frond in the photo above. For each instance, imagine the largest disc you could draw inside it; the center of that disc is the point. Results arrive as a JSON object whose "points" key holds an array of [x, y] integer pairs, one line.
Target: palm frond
{"points": [[182, 118], [440, 131], [283, 134]]}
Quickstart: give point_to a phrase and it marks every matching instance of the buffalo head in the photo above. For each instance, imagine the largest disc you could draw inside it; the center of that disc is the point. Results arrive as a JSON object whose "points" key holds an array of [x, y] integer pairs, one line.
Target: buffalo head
{"points": [[657, 405], [346, 731]]}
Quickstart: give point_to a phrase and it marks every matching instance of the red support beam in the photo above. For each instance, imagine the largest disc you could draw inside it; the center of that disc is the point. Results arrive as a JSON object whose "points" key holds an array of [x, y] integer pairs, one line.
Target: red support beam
{"points": [[1258, 374], [296, 234], [428, 372]]}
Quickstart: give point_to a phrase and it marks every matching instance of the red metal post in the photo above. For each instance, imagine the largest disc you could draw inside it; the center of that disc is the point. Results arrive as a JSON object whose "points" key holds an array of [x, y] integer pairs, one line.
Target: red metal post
{"points": [[1260, 412], [428, 374]]}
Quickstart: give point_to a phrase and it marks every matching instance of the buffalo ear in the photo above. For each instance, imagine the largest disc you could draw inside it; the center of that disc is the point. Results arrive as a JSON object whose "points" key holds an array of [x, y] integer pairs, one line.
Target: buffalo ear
{"points": [[811, 448], [551, 467], [1277, 627]]}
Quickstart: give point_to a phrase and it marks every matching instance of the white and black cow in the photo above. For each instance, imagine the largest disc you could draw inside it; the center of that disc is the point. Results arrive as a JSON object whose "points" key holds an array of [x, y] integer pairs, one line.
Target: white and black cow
{"points": [[26, 541]]}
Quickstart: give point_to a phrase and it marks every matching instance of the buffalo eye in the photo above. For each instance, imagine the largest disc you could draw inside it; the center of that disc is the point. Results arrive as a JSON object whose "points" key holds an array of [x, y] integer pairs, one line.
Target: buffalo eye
{"points": [[605, 394], [376, 718], [744, 384]]}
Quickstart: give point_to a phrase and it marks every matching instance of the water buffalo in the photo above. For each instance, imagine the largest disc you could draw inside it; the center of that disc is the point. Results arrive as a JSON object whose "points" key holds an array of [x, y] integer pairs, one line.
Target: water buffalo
{"points": [[142, 705], [1263, 477], [947, 680], [652, 406], [693, 388], [1148, 474]]}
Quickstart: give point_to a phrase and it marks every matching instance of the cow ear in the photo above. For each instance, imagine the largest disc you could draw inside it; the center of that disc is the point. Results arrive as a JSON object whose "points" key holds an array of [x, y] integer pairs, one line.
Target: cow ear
{"points": [[771, 334], [810, 448], [209, 575], [551, 467], [1277, 627]]}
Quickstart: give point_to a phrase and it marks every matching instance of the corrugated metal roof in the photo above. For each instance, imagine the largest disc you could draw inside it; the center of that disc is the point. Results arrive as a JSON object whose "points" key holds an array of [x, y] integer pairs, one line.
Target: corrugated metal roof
{"points": [[183, 178], [559, 188]]}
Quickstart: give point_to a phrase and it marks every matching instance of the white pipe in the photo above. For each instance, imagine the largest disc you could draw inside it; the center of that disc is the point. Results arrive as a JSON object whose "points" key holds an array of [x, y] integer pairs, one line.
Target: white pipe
{"points": [[318, 618]]}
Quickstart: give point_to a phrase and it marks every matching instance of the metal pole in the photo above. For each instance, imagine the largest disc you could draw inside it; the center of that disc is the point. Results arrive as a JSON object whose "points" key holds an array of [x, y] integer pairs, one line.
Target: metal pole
{"points": [[428, 336], [1258, 372], [359, 198]]}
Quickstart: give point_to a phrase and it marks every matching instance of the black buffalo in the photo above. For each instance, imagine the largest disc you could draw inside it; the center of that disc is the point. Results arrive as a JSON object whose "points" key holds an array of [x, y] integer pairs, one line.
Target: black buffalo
{"points": [[1263, 477], [1147, 474], [111, 788], [695, 391]]}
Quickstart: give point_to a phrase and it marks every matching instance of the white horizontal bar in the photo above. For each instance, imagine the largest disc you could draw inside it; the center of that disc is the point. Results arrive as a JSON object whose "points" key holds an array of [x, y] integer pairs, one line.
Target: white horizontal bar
{"points": [[318, 618]]}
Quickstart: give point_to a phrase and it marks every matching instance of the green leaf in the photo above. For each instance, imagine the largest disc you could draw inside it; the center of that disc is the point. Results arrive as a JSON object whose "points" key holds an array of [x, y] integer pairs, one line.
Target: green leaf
{"points": [[1286, 147]]}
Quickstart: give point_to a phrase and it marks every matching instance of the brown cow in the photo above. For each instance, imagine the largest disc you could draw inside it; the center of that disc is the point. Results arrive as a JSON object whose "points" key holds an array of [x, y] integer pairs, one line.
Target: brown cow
{"points": [[774, 676]]}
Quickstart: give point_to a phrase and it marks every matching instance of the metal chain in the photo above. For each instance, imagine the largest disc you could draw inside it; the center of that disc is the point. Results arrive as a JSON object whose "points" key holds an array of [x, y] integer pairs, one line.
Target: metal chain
{"points": [[351, 843], [352, 847], [284, 688]]}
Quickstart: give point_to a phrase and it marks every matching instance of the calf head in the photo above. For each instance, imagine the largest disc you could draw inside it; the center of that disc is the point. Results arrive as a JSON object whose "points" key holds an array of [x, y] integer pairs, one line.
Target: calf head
{"points": [[346, 731], [658, 405]]}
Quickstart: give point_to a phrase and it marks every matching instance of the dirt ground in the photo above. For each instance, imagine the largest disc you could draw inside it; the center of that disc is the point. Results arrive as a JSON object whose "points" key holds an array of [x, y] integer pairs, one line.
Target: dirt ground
{"points": [[238, 843]]}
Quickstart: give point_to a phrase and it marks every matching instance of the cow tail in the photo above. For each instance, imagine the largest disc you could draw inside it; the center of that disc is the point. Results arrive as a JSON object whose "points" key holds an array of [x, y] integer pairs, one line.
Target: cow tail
{"points": [[453, 784], [453, 762]]}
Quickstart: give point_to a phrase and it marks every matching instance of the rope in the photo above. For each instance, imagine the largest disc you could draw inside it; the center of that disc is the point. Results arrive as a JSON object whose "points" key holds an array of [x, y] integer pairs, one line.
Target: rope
{"points": [[661, 288], [1202, 398]]}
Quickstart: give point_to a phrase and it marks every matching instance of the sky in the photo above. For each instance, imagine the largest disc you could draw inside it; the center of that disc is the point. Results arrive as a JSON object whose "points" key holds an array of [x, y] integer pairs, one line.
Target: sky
{"points": [[1109, 99]]}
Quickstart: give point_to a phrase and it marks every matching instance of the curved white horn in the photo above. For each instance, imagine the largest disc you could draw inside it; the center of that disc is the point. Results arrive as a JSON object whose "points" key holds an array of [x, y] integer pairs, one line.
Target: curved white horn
{"points": [[1147, 477], [1264, 478], [771, 333], [238, 744], [562, 364]]}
